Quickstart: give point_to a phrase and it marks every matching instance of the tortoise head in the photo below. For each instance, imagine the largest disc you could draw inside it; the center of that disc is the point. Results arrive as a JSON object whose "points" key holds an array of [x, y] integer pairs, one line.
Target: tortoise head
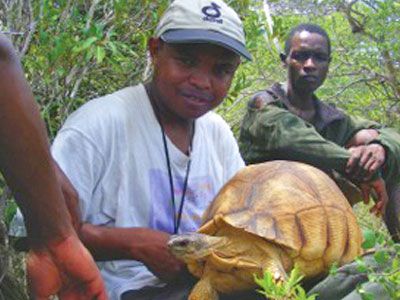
{"points": [[194, 245]]}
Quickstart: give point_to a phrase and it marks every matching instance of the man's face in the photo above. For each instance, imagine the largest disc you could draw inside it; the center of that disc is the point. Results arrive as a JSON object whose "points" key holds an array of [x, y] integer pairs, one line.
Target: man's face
{"points": [[307, 62], [191, 79]]}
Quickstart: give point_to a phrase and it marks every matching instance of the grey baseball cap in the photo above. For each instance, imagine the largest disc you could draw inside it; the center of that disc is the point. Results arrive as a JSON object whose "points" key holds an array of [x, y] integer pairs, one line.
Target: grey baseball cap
{"points": [[203, 21]]}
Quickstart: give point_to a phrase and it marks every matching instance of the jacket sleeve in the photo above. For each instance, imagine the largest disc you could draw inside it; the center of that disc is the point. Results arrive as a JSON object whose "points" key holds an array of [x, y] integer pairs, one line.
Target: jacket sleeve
{"points": [[274, 133], [355, 124], [390, 140]]}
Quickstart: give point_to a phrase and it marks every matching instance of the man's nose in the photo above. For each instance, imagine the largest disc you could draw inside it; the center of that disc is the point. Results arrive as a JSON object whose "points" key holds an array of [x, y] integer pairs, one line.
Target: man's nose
{"points": [[201, 79], [310, 63]]}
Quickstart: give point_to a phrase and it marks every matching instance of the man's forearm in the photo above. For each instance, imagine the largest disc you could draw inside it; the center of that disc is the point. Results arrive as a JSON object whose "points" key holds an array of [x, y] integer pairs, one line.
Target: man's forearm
{"points": [[25, 159], [113, 243], [362, 137]]}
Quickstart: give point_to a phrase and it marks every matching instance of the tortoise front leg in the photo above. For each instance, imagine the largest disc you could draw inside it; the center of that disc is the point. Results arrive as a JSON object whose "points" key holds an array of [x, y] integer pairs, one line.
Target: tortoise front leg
{"points": [[203, 290]]}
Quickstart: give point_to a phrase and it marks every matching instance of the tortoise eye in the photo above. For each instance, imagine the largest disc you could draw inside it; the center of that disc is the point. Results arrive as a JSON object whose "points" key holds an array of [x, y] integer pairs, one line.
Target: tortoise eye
{"points": [[183, 243]]}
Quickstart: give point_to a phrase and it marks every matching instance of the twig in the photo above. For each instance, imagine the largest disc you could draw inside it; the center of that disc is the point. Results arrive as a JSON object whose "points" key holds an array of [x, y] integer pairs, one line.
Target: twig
{"points": [[65, 13], [349, 85], [78, 81], [31, 30], [91, 13], [13, 32]]}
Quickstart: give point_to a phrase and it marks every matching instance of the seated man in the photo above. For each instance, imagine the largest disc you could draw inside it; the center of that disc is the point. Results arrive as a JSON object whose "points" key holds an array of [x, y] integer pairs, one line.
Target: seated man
{"points": [[287, 121], [147, 160]]}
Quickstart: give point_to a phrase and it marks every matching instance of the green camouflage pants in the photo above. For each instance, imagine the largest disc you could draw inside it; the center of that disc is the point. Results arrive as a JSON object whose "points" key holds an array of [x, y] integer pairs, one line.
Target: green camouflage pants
{"points": [[343, 285]]}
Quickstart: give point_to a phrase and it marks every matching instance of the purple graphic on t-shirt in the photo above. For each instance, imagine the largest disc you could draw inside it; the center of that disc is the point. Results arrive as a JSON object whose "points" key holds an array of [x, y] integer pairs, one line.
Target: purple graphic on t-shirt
{"points": [[199, 194]]}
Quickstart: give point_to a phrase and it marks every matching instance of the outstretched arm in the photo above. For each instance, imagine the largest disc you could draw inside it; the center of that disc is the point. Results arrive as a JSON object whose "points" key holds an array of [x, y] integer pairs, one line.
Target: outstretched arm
{"points": [[275, 133], [58, 262]]}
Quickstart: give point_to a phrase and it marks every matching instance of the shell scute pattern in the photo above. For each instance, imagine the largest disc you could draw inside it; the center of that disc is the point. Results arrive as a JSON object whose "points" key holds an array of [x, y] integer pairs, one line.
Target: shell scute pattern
{"points": [[269, 217], [293, 205]]}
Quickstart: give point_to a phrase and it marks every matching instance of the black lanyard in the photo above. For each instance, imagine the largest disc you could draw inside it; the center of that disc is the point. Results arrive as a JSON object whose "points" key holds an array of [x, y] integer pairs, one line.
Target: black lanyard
{"points": [[177, 217]]}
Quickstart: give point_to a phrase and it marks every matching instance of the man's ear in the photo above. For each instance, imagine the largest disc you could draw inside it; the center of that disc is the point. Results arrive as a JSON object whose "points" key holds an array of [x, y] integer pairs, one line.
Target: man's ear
{"points": [[153, 46]]}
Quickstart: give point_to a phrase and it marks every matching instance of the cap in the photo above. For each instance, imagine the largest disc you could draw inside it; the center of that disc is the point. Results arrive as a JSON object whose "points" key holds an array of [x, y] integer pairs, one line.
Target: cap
{"points": [[203, 21]]}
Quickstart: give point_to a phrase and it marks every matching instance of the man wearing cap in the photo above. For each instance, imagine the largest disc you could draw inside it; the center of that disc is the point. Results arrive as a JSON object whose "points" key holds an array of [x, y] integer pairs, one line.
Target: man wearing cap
{"points": [[147, 160]]}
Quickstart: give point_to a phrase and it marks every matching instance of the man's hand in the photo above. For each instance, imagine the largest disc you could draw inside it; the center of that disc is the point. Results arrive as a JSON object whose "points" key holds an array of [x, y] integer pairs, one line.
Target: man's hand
{"points": [[158, 259], [146, 245], [379, 188], [64, 268], [365, 161]]}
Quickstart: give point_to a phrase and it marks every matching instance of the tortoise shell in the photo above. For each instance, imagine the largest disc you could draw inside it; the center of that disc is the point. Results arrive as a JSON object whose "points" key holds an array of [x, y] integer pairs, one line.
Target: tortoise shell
{"points": [[293, 205]]}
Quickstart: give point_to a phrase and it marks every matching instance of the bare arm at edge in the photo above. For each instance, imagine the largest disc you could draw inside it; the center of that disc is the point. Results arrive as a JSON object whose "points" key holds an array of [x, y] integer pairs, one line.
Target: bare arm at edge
{"points": [[58, 263]]}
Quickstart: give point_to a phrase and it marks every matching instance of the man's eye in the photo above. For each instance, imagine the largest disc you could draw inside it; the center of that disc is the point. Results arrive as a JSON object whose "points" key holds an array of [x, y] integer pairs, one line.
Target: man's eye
{"points": [[187, 61], [303, 56], [224, 70], [300, 56], [321, 57]]}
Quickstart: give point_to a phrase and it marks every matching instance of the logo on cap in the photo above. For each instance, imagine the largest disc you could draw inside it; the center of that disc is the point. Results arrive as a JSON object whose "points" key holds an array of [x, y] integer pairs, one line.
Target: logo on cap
{"points": [[212, 13]]}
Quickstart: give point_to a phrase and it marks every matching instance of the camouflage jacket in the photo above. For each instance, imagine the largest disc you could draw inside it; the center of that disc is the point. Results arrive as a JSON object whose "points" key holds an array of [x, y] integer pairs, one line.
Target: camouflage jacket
{"points": [[270, 131]]}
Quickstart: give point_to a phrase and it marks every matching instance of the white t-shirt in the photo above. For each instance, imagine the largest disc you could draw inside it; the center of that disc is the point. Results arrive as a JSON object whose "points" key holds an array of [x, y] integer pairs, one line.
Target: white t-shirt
{"points": [[112, 151]]}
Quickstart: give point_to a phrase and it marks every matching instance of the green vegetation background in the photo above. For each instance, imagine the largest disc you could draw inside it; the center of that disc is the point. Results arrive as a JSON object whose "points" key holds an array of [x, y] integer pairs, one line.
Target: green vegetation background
{"points": [[75, 50]]}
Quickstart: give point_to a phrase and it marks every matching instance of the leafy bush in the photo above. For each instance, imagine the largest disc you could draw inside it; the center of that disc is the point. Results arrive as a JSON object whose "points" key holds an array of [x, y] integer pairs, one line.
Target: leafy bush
{"points": [[289, 289], [385, 269]]}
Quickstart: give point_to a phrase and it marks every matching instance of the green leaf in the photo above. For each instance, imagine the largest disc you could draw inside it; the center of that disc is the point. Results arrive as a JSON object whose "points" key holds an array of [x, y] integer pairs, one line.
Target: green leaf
{"points": [[369, 239], [381, 238], [396, 263], [365, 295], [86, 44], [334, 269], [100, 54], [361, 267], [381, 257]]}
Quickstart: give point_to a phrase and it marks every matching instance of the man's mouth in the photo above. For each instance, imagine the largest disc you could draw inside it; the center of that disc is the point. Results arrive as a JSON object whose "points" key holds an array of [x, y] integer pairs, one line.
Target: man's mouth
{"points": [[197, 97], [309, 78]]}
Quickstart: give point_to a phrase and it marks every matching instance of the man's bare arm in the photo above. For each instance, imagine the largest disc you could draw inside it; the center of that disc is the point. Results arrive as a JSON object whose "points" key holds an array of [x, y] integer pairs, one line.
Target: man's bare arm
{"points": [[58, 263]]}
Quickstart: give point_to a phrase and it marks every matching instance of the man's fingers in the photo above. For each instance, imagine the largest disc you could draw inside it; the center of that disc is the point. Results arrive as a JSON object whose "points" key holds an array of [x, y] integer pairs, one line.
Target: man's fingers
{"points": [[365, 191], [365, 157], [360, 171], [380, 188], [381, 205], [371, 166], [83, 290], [43, 279], [65, 268], [78, 294], [377, 209], [95, 290], [352, 164]]}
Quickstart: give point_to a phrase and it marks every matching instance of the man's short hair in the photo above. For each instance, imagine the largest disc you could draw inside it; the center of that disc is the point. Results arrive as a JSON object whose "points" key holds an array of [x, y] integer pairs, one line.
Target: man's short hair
{"points": [[312, 28]]}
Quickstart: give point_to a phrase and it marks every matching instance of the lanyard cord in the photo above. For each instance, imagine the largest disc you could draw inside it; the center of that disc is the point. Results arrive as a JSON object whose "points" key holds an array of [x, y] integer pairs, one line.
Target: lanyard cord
{"points": [[177, 217]]}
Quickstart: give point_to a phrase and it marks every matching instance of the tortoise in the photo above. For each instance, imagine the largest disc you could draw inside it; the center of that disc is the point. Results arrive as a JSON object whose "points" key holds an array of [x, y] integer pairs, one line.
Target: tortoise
{"points": [[269, 217]]}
